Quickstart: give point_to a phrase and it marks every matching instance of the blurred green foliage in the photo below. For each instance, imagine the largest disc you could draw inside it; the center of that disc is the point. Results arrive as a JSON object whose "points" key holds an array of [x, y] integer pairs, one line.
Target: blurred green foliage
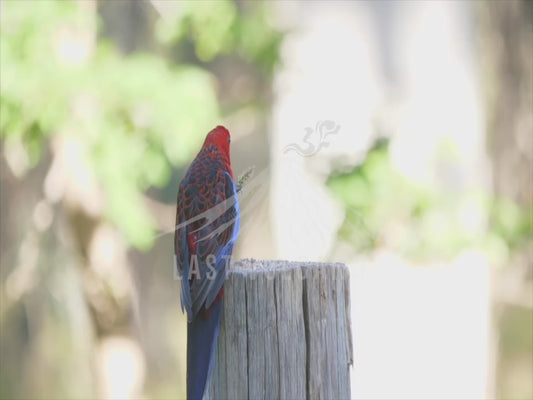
{"points": [[219, 27], [135, 117], [383, 205]]}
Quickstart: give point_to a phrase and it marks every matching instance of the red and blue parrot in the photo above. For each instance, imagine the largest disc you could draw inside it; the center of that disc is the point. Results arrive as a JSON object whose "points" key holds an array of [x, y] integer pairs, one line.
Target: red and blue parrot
{"points": [[207, 225]]}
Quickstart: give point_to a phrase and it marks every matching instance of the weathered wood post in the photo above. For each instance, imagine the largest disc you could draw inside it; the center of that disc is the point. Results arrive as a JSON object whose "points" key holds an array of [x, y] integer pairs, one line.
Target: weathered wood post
{"points": [[285, 332]]}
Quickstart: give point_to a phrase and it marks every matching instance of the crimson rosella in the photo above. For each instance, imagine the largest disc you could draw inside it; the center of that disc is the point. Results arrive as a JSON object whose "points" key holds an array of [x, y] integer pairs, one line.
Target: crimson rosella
{"points": [[207, 225]]}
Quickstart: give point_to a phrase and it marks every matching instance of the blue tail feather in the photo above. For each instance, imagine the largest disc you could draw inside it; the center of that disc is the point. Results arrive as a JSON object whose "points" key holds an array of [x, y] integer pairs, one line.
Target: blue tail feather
{"points": [[201, 339]]}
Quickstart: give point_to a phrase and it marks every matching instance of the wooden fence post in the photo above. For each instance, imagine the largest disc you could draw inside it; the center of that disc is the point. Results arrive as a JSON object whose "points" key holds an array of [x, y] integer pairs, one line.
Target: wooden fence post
{"points": [[285, 332]]}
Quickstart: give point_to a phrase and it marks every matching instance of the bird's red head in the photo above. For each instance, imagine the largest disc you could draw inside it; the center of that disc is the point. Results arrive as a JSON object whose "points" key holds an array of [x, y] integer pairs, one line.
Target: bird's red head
{"points": [[219, 137]]}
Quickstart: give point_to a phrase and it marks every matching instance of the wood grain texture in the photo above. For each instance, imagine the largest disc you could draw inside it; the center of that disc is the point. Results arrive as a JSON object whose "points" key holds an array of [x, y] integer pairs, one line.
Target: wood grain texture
{"points": [[285, 332]]}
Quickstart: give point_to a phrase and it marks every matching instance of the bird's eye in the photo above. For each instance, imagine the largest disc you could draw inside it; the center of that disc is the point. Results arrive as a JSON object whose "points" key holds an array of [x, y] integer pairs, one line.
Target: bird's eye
{"points": [[229, 139]]}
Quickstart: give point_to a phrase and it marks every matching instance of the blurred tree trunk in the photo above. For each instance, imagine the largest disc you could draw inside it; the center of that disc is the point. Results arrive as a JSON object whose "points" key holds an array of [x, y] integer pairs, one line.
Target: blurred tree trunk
{"points": [[129, 24], [46, 340], [510, 38], [507, 62]]}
